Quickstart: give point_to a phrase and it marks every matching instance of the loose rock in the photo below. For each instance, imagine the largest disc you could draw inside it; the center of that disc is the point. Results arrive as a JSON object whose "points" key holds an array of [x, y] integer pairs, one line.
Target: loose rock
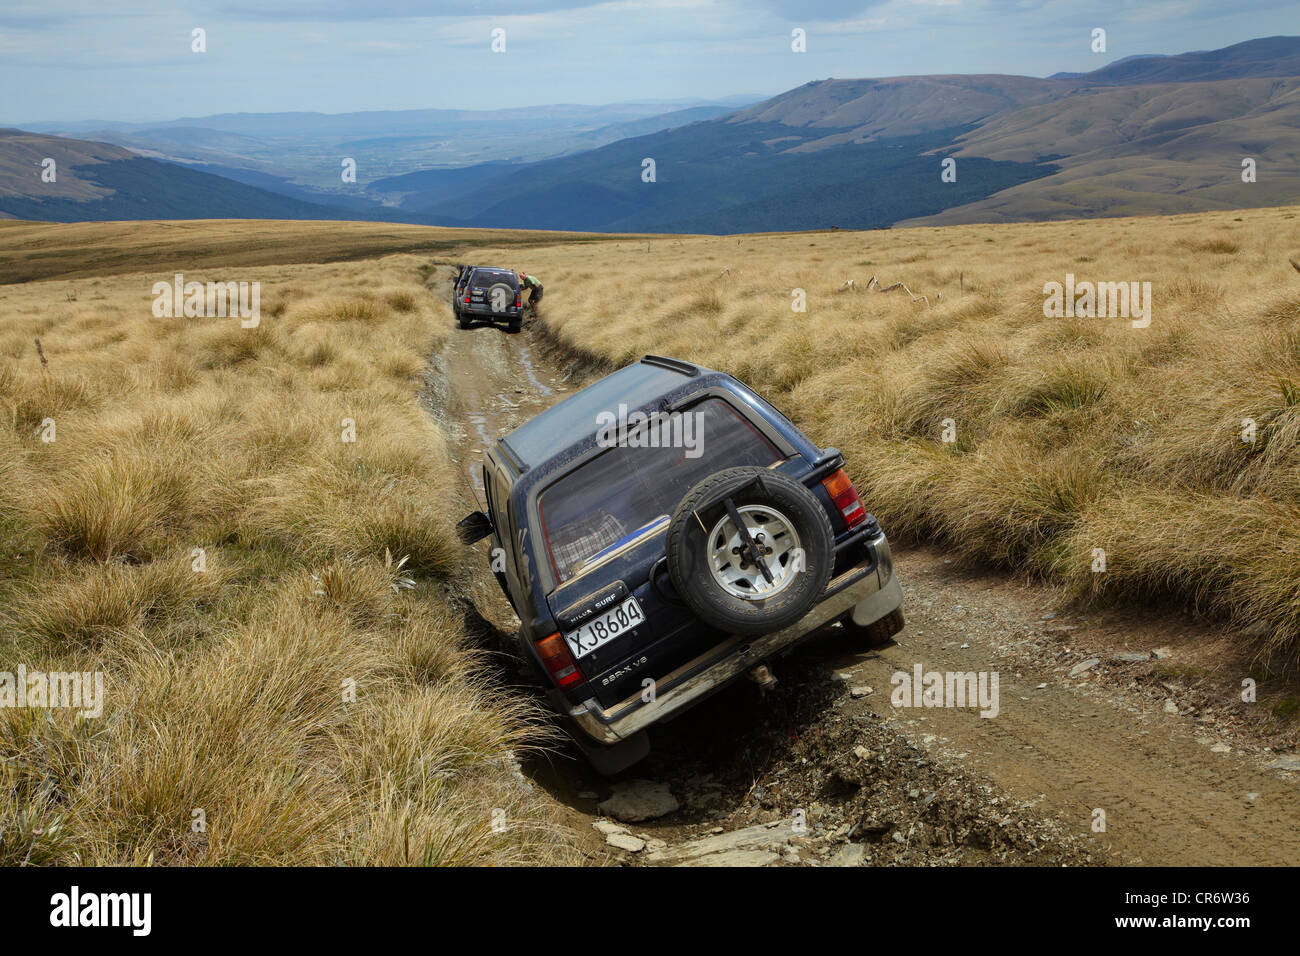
{"points": [[626, 841], [850, 854], [637, 800], [1083, 666]]}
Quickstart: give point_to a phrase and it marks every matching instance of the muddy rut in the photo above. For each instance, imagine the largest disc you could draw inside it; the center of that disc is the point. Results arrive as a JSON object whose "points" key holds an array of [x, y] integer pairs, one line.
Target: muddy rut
{"points": [[1097, 755]]}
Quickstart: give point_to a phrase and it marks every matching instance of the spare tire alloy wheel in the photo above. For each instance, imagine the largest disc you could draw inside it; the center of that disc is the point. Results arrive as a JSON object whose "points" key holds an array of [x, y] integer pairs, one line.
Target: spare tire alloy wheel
{"points": [[750, 550], [748, 575]]}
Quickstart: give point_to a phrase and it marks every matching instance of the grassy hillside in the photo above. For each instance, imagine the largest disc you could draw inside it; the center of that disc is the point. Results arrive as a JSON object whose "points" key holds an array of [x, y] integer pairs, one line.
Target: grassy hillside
{"points": [[1124, 151], [832, 112], [285, 681], [1071, 434]]}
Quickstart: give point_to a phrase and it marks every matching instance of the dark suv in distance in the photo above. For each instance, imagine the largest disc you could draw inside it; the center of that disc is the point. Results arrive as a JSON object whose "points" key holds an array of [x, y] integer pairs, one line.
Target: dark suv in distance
{"points": [[665, 531], [487, 294]]}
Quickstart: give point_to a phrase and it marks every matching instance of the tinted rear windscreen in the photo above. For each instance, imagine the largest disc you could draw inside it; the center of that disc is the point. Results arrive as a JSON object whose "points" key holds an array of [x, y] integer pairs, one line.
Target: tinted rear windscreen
{"points": [[607, 500], [483, 280]]}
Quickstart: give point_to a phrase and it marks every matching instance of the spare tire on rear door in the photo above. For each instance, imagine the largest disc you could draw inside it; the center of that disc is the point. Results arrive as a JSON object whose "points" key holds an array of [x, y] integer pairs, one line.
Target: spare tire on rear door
{"points": [[762, 578], [500, 297]]}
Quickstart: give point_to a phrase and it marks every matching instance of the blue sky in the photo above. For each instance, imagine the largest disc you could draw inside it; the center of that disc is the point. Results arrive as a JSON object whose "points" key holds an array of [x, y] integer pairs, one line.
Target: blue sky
{"points": [[65, 60]]}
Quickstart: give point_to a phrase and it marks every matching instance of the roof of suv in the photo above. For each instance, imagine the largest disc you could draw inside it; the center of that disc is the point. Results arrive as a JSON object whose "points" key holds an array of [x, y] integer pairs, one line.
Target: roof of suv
{"points": [[574, 420]]}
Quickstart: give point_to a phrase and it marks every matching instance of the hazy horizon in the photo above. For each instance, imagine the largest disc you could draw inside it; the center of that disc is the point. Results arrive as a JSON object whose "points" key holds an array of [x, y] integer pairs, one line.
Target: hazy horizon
{"points": [[322, 56]]}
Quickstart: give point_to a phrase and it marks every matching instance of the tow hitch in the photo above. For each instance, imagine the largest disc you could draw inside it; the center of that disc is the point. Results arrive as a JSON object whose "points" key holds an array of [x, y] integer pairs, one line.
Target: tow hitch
{"points": [[762, 676]]}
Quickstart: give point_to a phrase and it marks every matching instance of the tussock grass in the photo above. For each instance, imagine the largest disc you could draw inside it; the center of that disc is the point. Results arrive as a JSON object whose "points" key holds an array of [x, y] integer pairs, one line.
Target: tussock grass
{"points": [[30, 397], [284, 681], [1071, 434], [1219, 246], [111, 505], [91, 606]]}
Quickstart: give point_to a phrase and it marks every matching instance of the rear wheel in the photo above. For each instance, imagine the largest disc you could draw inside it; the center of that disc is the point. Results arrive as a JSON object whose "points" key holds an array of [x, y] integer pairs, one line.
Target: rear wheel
{"points": [[878, 633], [759, 579], [515, 324]]}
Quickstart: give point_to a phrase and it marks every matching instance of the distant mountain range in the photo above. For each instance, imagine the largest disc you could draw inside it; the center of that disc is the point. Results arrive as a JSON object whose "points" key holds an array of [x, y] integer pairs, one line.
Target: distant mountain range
{"points": [[303, 151], [204, 167], [1141, 135]]}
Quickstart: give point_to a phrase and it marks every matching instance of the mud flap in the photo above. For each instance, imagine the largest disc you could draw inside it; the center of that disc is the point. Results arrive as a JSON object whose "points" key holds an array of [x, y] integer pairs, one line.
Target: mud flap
{"points": [[611, 760], [871, 609]]}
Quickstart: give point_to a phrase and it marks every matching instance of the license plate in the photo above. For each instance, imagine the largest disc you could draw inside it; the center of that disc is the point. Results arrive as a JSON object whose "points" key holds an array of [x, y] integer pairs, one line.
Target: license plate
{"points": [[602, 629]]}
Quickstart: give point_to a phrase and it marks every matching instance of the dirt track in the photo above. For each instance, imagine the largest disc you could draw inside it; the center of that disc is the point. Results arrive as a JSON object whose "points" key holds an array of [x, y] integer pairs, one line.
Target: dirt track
{"points": [[869, 782]]}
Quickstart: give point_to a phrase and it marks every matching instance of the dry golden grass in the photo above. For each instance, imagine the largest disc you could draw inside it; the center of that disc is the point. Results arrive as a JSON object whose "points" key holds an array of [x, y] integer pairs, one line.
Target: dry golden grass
{"points": [[228, 684], [225, 686], [1071, 434]]}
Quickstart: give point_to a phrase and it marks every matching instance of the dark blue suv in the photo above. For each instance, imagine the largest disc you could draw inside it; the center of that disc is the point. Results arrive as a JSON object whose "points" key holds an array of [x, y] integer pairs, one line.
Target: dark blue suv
{"points": [[487, 294], [665, 531]]}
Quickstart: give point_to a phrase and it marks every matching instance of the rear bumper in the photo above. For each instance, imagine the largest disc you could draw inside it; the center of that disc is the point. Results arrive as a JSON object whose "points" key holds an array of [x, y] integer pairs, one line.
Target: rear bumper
{"points": [[868, 591], [485, 312]]}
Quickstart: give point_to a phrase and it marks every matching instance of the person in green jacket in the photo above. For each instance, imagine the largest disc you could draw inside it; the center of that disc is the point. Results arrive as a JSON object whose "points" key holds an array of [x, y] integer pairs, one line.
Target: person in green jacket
{"points": [[534, 287]]}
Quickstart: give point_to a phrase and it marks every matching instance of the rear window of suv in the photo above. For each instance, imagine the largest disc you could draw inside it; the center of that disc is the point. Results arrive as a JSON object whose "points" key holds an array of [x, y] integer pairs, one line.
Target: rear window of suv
{"points": [[626, 490], [482, 278]]}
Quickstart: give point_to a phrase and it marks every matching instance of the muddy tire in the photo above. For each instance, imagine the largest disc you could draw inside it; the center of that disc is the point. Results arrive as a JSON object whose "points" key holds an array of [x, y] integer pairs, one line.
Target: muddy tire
{"points": [[878, 633], [714, 576], [463, 320]]}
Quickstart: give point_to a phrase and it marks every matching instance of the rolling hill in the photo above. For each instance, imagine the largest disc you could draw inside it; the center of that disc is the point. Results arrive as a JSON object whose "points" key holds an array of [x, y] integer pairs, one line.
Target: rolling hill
{"points": [[1266, 56], [728, 177], [1138, 150], [98, 181]]}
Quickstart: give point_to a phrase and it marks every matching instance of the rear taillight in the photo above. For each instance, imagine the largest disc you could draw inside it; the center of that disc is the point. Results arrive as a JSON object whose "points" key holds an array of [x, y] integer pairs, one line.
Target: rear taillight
{"points": [[845, 497], [557, 660], [466, 298]]}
